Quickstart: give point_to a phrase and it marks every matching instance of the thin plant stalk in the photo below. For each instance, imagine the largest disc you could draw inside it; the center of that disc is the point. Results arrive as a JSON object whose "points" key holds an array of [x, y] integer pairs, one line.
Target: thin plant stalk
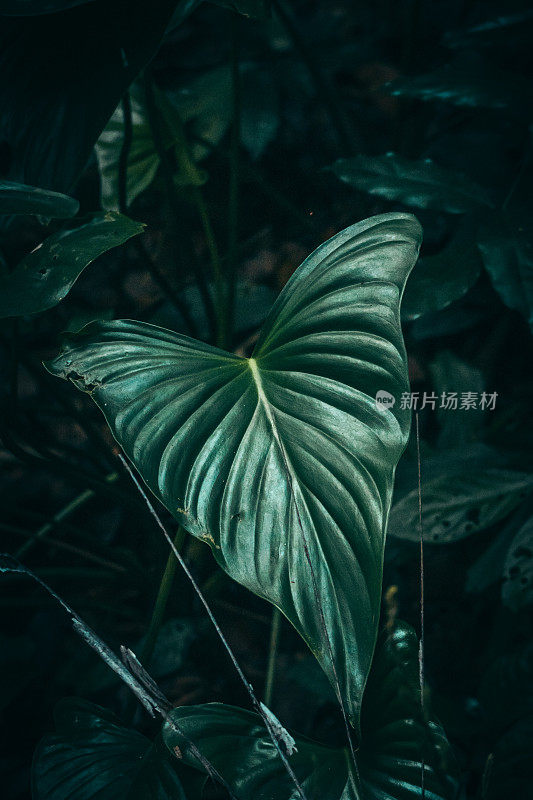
{"points": [[272, 654]]}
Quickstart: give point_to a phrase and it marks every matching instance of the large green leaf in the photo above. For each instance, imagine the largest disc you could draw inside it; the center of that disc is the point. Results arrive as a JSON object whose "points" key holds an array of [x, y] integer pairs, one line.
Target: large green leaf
{"points": [[61, 76], [438, 280], [420, 183], [16, 198], [45, 276], [92, 755], [460, 496], [395, 738], [283, 462]]}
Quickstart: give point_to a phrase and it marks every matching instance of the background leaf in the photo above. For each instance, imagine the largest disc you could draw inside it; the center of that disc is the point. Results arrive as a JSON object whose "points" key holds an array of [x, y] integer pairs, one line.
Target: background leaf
{"points": [[459, 500], [394, 736], [439, 280], [506, 246], [16, 198], [517, 589], [420, 183], [92, 755], [57, 102], [44, 277], [285, 453]]}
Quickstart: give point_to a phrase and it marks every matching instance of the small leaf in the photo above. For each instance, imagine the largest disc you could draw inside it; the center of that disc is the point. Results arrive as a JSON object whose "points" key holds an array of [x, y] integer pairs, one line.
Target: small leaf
{"points": [[92, 755], [517, 589], [16, 198], [394, 738], [260, 119], [282, 463], [416, 183], [439, 280], [459, 500], [46, 275]]}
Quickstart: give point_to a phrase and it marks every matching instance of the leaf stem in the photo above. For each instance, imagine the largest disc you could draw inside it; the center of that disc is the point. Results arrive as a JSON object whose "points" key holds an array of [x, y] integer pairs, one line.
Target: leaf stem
{"points": [[234, 179], [272, 654], [161, 601]]}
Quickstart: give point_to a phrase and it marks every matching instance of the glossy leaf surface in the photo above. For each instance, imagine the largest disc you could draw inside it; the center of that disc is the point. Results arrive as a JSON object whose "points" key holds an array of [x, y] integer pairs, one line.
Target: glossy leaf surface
{"points": [[17, 198], [283, 463], [421, 183], [394, 739], [92, 755], [45, 276]]}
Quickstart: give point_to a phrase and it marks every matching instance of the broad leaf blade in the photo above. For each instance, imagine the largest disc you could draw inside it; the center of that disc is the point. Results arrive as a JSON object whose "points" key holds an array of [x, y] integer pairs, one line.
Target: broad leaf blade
{"points": [[395, 737], [421, 183], [17, 198], [46, 275], [92, 755], [282, 463]]}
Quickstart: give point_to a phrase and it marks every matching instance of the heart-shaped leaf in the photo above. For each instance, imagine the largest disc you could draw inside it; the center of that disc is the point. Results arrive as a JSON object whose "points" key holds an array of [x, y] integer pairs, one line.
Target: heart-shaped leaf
{"points": [[395, 739], [46, 275], [16, 198], [92, 755], [421, 183], [283, 463]]}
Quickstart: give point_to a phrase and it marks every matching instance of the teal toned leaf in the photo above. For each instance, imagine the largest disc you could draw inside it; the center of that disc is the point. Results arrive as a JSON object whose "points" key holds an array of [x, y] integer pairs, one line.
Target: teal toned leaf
{"points": [[467, 85], [459, 500], [16, 198], [45, 276], [92, 755], [59, 86], [283, 463], [517, 589], [394, 739], [506, 246], [438, 280], [416, 183]]}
